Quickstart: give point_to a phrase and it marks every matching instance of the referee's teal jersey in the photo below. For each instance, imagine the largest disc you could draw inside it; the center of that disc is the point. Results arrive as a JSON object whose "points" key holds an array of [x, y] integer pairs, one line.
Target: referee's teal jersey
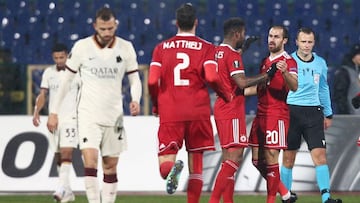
{"points": [[313, 88]]}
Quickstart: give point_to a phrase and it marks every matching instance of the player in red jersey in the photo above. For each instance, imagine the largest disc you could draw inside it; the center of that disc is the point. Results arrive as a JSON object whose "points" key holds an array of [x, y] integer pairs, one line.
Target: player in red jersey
{"points": [[230, 116], [178, 73], [269, 129]]}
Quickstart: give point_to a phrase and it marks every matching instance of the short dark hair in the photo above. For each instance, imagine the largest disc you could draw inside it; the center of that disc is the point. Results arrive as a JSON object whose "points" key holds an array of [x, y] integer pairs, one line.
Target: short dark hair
{"points": [[186, 16], [232, 25], [305, 30], [58, 47], [104, 13], [285, 30]]}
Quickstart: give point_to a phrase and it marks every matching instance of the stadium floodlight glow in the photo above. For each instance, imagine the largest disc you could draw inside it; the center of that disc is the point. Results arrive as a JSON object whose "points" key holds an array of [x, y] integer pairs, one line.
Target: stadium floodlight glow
{"points": [[286, 22], [315, 22], [52, 5], [32, 19], [60, 20], [131, 36], [133, 6], [147, 21], [89, 20], [17, 35], [4, 22], [141, 53], [159, 36], [74, 36], [45, 35], [162, 5]]}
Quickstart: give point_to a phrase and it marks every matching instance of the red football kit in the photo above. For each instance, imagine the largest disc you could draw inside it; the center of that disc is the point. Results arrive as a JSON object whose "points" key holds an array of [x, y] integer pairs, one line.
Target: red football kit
{"points": [[230, 116], [181, 95], [271, 124]]}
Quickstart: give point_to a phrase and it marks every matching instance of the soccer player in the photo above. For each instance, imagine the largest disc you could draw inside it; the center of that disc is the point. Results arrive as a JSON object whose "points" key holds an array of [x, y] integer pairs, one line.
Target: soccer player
{"points": [[102, 59], [230, 116], [310, 113], [270, 125], [178, 71], [65, 138]]}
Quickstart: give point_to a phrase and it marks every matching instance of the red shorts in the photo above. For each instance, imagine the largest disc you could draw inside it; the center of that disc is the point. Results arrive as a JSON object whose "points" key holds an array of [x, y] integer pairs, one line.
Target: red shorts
{"points": [[269, 132], [198, 136], [232, 133]]}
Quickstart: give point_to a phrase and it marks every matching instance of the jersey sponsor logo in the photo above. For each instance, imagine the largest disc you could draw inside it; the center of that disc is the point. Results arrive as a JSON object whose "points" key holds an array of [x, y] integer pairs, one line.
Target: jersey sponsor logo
{"points": [[105, 72], [118, 59], [185, 44]]}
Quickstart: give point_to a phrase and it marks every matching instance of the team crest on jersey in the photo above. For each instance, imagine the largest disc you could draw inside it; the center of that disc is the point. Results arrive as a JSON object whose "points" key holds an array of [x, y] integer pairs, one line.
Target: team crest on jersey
{"points": [[118, 59], [236, 64]]}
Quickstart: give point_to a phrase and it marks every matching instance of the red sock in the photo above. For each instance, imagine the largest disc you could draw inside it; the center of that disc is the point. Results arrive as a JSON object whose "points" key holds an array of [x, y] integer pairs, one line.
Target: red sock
{"points": [[282, 189], [228, 195], [272, 182], [195, 178], [194, 188], [262, 169], [165, 168], [228, 168], [260, 165]]}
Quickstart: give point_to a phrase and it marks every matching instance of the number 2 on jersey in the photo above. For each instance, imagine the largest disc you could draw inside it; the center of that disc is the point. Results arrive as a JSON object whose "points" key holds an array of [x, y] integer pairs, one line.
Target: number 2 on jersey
{"points": [[178, 81]]}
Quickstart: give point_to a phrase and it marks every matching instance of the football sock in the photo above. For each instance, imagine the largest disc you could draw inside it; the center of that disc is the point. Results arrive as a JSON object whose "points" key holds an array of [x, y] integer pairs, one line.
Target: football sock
{"points": [[284, 192], [228, 168], [165, 168], [286, 176], [323, 181], [228, 194], [194, 188], [262, 168], [195, 179], [92, 185], [109, 188], [64, 174], [272, 182]]}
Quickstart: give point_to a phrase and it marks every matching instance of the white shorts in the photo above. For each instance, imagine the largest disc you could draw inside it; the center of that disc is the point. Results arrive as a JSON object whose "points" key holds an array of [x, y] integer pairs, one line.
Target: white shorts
{"points": [[102, 138], [65, 136]]}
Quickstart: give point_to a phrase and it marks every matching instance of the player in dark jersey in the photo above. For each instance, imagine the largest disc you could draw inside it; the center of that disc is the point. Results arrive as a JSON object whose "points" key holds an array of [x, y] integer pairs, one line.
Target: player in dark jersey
{"points": [[179, 70]]}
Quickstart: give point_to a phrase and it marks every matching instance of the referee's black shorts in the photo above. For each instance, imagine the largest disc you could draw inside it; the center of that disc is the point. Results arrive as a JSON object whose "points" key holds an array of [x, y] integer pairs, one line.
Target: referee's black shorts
{"points": [[306, 122]]}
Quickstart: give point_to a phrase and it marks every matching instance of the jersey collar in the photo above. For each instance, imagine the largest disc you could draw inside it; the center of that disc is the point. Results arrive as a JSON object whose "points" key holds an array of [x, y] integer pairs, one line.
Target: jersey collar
{"points": [[110, 45]]}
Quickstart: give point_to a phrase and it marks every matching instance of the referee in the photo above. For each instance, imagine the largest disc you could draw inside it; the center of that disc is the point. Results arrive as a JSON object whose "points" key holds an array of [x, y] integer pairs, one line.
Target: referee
{"points": [[310, 113]]}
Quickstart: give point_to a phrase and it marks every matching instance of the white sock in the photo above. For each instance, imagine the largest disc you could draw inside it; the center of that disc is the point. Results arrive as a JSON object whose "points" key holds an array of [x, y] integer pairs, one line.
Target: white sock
{"points": [[64, 175], [92, 189], [287, 196], [108, 193]]}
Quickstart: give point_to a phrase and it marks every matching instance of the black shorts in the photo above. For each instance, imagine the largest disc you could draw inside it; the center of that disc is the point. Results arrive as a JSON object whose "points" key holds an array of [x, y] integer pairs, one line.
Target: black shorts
{"points": [[306, 122]]}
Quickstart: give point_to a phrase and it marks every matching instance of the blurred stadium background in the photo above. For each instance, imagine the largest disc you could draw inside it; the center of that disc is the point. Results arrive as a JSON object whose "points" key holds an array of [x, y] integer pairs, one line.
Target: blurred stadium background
{"points": [[30, 28]]}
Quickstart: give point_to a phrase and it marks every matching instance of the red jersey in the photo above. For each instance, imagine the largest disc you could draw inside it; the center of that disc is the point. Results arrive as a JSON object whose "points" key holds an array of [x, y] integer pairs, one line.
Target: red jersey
{"points": [[272, 94], [229, 63], [183, 93]]}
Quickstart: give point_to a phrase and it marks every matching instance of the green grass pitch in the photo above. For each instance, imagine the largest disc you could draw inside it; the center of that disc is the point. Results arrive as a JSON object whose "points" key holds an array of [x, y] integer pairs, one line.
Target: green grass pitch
{"points": [[146, 198]]}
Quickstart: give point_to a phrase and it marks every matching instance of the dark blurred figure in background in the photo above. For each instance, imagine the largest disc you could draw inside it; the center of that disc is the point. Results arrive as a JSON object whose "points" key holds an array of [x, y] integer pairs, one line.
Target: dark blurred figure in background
{"points": [[5, 56], [347, 82]]}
